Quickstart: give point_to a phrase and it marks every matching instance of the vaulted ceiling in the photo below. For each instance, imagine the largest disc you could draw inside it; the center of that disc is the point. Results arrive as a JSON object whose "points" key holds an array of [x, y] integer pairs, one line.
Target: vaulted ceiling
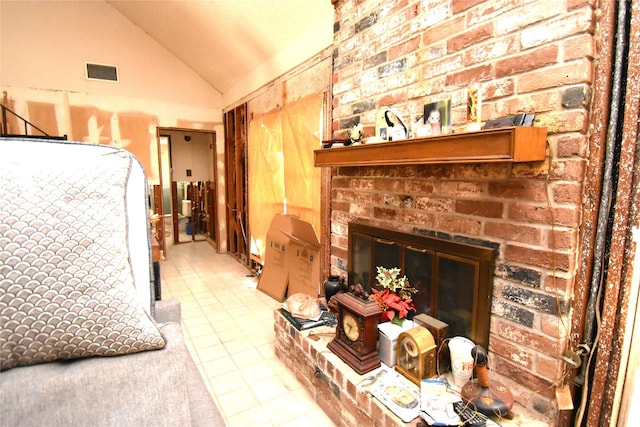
{"points": [[225, 40]]}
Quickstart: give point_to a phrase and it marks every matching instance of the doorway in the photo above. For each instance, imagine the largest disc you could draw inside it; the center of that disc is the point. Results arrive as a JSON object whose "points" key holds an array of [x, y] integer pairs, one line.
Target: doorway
{"points": [[187, 186]]}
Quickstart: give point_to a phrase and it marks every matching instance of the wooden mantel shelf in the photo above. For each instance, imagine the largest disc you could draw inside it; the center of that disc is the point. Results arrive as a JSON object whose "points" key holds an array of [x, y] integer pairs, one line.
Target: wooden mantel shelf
{"points": [[512, 144]]}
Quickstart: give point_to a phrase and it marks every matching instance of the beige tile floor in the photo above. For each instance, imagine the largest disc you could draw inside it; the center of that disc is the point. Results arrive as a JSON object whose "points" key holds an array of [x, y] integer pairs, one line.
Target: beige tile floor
{"points": [[228, 328]]}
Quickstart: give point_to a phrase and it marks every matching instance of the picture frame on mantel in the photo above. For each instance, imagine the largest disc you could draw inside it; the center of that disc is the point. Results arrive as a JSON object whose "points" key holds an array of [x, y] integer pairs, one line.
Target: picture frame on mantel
{"points": [[437, 118]]}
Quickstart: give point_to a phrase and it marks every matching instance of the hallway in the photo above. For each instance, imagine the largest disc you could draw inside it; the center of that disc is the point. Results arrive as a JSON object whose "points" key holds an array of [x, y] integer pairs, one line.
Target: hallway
{"points": [[228, 328]]}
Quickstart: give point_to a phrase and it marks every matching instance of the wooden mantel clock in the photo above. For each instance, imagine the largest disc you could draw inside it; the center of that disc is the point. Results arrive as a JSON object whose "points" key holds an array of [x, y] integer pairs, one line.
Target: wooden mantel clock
{"points": [[357, 332]]}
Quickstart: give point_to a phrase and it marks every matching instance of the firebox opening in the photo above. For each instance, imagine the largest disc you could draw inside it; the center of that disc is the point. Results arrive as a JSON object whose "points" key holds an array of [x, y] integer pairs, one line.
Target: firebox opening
{"points": [[454, 279]]}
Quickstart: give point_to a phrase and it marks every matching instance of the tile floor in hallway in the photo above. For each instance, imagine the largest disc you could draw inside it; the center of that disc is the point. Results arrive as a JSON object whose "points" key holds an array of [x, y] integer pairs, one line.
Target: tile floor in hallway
{"points": [[228, 328]]}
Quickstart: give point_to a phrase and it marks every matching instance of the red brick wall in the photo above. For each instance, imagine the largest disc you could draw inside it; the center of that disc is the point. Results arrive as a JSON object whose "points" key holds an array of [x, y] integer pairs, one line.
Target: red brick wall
{"points": [[526, 57]]}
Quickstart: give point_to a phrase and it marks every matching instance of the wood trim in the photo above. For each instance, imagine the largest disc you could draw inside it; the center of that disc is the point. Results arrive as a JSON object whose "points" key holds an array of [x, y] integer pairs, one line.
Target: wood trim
{"points": [[513, 144]]}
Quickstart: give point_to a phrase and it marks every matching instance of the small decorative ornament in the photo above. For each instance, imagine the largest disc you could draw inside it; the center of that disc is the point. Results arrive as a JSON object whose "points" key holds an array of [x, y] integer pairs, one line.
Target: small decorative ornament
{"points": [[485, 396], [395, 298], [332, 286], [356, 134]]}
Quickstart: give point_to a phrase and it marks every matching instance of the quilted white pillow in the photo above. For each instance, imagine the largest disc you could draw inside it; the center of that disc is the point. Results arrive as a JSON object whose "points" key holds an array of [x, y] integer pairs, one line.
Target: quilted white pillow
{"points": [[66, 284]]}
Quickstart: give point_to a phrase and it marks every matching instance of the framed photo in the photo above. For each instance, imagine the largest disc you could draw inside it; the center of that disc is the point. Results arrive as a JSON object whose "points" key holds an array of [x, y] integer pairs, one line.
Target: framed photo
{"points": [[473, 105], [437, 117]]}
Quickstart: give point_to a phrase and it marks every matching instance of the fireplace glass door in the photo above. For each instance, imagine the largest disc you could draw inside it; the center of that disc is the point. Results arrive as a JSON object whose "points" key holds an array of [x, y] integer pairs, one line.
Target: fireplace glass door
{"points": [[454, 280]]}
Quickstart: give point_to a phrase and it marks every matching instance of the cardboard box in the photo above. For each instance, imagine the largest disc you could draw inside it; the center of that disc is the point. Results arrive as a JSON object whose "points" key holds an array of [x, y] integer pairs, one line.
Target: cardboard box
{"points": [[292, 259]]}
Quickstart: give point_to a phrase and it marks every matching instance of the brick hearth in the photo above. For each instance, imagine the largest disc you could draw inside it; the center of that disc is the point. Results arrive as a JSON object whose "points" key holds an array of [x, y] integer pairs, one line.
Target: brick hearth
{"points": [[332, 383], [336, 387]]}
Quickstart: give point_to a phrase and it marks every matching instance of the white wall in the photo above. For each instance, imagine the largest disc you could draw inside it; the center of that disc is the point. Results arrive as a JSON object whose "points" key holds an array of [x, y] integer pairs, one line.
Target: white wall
{"points": [[45, 44], [43, 49], [314, 41], [195, 155]]}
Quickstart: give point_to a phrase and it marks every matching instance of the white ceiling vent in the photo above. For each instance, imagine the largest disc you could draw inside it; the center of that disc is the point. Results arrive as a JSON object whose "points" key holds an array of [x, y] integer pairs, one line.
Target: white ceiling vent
{"points": [[102, 72]]}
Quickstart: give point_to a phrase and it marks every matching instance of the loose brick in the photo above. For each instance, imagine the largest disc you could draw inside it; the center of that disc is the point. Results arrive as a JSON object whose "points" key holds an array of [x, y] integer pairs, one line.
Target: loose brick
{"points": [[470, 37], [458, 6], [475, 74], [498, 89], [538, 257], [518, 274], [581, 46], [565, 25], [527, 337], [524, 377], [541, 214], [457, 224], [516, 354], [366, 22], [530, 190], [479, 208], [562, 239], [549, 367], [555, 326], [511, 312], [535, 300], [392, 68], [568, 169], [561, 284], [404, 48], [385, 213], [490, 50], [434, 204], [566, 193], [527, 61], [570, 145], [532, 13], [425, 219], [576, 97], [575, 72]]}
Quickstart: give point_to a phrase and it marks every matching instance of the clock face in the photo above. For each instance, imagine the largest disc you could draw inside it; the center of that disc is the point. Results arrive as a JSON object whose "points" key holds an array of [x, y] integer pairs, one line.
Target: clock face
{"points": [[350, 326]]}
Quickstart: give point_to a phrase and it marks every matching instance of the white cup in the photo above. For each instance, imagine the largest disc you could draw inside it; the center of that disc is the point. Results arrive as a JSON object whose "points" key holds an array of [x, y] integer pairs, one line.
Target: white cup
{"points": [[461, 360]]}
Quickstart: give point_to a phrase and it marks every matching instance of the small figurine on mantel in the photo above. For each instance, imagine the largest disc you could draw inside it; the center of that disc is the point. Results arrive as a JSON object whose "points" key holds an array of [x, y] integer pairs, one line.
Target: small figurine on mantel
{"points": [[356, 134], [358, 290]]}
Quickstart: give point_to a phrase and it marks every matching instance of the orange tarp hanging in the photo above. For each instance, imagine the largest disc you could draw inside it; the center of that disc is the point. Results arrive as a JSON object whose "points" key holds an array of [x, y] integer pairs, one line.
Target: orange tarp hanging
{"points": [[281, 145], [266, 177], [301, 135]]}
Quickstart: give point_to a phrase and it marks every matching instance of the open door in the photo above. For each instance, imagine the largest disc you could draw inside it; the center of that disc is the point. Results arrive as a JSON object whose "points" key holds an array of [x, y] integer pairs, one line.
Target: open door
{"points": [[188, 185]]}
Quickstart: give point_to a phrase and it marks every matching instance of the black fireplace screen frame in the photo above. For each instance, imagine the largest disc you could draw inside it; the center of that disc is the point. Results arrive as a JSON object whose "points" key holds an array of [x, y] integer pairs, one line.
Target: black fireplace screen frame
{"points": [[454, 279]]}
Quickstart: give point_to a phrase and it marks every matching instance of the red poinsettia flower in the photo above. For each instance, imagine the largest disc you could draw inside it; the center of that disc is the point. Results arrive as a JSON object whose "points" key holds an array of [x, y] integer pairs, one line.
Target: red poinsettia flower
{"points": [[395, 297], [393, 306]]}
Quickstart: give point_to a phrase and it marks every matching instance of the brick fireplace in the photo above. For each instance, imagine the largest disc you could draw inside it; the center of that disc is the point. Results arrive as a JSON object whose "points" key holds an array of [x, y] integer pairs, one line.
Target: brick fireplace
{"points": [[481, 202], [405, 54]]}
